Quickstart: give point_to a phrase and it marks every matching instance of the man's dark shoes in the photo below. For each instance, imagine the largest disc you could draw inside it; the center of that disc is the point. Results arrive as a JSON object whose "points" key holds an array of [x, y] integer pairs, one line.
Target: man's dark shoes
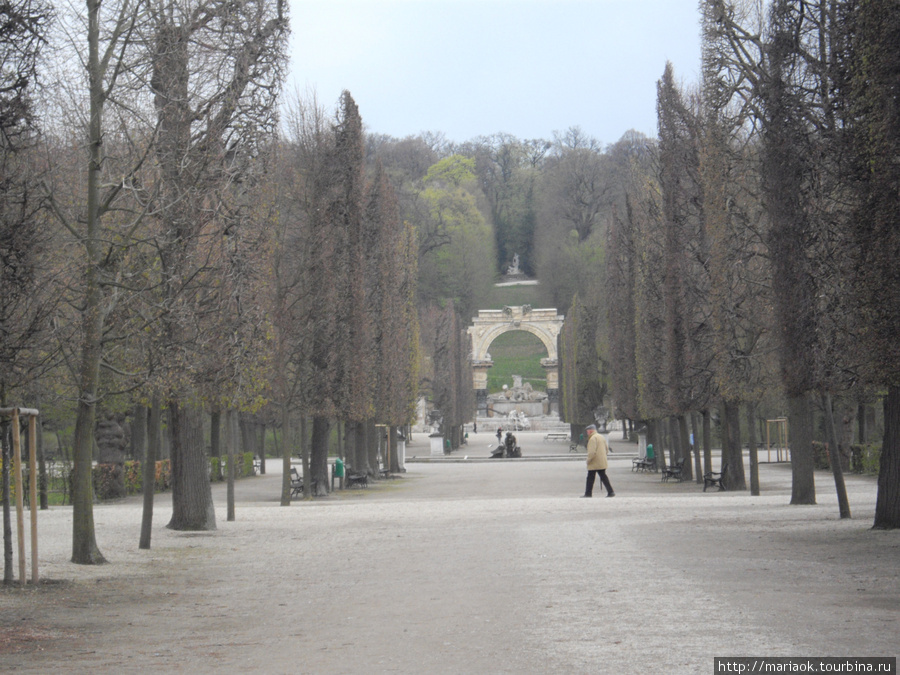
{"points": [[610, 494]]}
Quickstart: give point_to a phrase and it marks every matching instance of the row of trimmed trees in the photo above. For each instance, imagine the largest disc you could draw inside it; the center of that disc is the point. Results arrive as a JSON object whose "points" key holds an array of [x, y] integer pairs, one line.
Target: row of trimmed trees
{"points": [[166, 249], [757, 251], [343, 279]]}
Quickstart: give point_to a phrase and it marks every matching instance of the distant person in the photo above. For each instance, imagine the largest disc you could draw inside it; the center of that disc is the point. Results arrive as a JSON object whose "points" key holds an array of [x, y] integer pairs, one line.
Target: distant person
{"points": [[510, 443], [475, 428], [499, 434], [597, 450]]}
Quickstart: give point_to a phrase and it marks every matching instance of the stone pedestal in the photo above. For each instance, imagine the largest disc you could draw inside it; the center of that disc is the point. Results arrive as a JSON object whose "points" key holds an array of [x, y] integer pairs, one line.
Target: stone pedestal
{"points": [[481, 402], [642, 445], [553, 401], [437, 445], [401, 455]]}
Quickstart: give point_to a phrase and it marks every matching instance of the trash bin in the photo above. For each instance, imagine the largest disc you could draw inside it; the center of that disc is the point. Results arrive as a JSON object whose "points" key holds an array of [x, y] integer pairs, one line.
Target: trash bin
{"points": [[337, 471]]}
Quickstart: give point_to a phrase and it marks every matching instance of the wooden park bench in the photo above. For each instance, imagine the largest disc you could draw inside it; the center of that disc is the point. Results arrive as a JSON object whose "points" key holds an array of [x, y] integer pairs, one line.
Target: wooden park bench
{"points": [[644, 464], [713, 478], [354, 478], [556, 436], [674, 472], [296, 483]]}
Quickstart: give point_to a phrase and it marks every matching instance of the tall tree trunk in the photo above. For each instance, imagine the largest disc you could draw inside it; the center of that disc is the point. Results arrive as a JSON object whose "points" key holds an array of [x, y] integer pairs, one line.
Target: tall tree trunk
{"points": [[669, 440], [148, 475], [362, 448], [861, 422], [754, 454], [84, 543], [684, 440], [231, 428], [392, 444], [371, 448], [800, 434], [262, 448], [319, 456], [42, 466], [707, 441], [655, 437], [215, 441], [285, 455], [732, 452], [350, 444], [887, 504], [726, 436], [305, 459], [192, 505], [245, 440], [341, 451], [695, 446], [671, 432], [834, 455], [9, 576]]}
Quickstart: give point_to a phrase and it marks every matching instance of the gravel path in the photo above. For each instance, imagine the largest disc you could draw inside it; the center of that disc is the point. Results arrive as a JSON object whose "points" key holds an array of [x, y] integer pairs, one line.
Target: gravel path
{"points": [[467, 567]]}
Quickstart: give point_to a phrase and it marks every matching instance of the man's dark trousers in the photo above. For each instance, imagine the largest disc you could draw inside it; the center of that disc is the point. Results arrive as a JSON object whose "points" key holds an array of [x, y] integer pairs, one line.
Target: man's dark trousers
{"points": [[591, 477]]}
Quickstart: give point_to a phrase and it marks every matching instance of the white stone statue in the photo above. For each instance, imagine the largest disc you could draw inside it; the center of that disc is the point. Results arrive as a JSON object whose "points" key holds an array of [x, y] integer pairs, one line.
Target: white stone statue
{"points": [[514, 268]]}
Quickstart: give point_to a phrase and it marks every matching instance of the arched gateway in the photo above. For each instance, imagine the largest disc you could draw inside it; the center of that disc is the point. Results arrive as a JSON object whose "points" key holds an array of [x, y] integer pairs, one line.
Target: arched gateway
{"points": [[491, 323]]}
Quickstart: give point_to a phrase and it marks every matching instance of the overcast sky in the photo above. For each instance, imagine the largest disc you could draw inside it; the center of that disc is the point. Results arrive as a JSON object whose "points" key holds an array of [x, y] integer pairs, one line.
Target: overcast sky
{"points": [[469, 68]]}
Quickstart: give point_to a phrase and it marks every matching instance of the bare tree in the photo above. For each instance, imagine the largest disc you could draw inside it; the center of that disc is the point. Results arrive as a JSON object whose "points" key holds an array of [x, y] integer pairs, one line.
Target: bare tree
{"points": [[874, 66], [685, 291], [25, 301], [215, 75], [733, 215], [798, 174], [577, 186], [391, 299], [109, 47]]}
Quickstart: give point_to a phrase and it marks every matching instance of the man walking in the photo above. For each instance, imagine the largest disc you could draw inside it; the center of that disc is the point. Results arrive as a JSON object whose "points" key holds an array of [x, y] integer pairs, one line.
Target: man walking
{"points": [[596, 462]]}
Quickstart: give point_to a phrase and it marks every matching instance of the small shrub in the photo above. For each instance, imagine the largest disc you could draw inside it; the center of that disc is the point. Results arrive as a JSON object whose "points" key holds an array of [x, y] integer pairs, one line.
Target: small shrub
{"points": [[243, 466], [109, 481], [865, 459], [215, 469], [820, 455], [163, 475], [134, 472]]}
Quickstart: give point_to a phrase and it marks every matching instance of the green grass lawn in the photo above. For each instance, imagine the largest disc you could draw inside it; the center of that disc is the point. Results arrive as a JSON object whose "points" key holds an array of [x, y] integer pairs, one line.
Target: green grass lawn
{"points": [[517, 353]]}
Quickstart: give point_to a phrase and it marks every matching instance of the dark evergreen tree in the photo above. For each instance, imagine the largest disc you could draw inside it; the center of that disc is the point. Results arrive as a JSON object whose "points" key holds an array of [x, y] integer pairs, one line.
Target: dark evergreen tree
{"points": [[874, 119], [786, 170]]}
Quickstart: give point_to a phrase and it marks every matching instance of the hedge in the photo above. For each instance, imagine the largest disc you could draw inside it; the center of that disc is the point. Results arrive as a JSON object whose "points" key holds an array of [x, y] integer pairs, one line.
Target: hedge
{"points": [[243, 467], [109, 477]]}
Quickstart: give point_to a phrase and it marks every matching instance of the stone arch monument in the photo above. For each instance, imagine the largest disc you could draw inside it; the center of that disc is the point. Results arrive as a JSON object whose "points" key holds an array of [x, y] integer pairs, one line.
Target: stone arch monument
{"points": [[491, 323]]}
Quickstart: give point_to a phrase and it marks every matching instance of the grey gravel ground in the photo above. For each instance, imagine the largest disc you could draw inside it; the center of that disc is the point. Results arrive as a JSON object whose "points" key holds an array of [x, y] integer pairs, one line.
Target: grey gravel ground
{"points": [[468, 566]]}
